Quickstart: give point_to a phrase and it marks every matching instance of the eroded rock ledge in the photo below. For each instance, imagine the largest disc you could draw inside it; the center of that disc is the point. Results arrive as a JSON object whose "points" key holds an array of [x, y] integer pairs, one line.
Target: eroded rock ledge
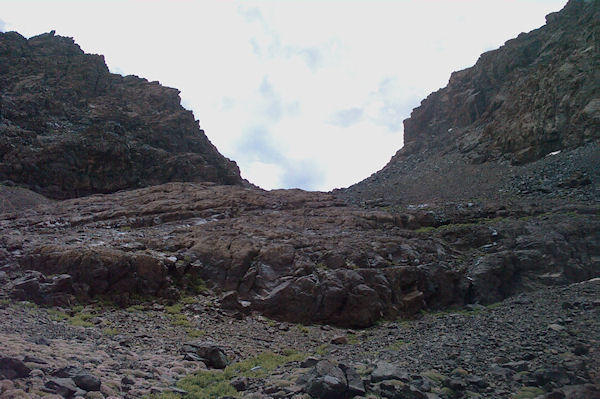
{"points": [[297, 256]]}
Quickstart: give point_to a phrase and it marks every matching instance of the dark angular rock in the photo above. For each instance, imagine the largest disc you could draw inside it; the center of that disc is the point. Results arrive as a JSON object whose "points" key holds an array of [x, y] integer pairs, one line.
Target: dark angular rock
{"points": [[239, 383], [87, 382], [556, 375], [325, 381], [356, 387], [64, 387], [11, 368], [517, 366], [388, 371], [210, 354]]}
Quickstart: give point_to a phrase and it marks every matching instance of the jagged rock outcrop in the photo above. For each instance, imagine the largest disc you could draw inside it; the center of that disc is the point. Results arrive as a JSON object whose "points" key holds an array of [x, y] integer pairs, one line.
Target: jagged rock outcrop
{"points": [[537, 95], [69, 128]]}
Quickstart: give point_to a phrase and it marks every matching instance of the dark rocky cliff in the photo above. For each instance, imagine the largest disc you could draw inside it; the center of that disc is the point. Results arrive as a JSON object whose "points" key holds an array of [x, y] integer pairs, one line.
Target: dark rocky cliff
{"points": [[537, 94], [68, 127]]}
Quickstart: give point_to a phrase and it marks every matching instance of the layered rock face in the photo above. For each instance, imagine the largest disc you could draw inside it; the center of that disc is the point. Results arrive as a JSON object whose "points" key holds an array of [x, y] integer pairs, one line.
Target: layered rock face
{"points": [[69, 128], [293, 255], [536, 95]]}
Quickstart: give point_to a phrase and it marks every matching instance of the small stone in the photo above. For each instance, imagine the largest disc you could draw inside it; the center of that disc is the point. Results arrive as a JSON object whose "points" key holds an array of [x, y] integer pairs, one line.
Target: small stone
{"points": [[126, 380], [37, 373], [517, 366], [581, 350], [87, 382], [456, 384], [309, 362], [557, 394], [339, 340], [239, 383], [556, 327]]}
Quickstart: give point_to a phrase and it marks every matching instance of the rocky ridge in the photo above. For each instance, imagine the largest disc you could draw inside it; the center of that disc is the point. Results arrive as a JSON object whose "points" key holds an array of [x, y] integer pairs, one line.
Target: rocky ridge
{"points": [[538, 95], [68, 127]]}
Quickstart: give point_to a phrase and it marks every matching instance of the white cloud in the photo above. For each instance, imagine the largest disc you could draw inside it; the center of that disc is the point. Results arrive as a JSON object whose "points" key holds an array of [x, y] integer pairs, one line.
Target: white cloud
{"points": [[300, 93], [2, 25]]}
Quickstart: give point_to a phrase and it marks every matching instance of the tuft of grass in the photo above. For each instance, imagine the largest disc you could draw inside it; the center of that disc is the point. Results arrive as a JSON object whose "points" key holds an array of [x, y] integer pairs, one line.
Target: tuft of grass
{"points": [[322, 350], [397, 345], [528, 393], [436, 377], [174, 309], [135, 308], [81, 320], [180, 320], [302, 328], [57, 315], [352, 339], [111, 332], [195, 333], [188, 300]]}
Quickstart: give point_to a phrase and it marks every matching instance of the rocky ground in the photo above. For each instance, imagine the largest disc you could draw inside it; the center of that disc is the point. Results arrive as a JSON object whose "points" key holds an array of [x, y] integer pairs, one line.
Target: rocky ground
{"points": [[540, 344]]}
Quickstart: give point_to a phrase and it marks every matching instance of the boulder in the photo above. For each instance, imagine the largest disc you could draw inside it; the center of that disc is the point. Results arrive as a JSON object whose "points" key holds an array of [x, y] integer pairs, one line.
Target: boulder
{"points": [[11, 368], [212, 355]]}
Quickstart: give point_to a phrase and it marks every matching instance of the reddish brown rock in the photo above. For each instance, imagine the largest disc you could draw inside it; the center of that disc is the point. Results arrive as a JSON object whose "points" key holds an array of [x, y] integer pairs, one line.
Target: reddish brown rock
{"points": [[294, 255], [69, 128]]}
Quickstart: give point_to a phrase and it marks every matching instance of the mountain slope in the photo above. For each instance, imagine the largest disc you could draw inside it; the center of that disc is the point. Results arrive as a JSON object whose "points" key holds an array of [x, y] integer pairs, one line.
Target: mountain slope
{"points": [[68, 127], [537, 94]]}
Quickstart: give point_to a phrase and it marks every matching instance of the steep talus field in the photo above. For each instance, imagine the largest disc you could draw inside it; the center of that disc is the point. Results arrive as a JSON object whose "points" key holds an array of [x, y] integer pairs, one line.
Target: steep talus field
{"points": [[537, 95], [69, 128]]}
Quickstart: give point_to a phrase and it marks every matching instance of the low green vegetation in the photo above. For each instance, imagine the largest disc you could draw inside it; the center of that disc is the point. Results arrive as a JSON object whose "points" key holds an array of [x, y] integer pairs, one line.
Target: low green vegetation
{"points": [[81, 320], [180, 320], [528, 393], [174, 309], [352, 339], [57, 315], [302, 328], [195, 333], [209, 384], [110, 331], [135, 308], [436, 377], [322, 349], [78, 318], [397, 345]]}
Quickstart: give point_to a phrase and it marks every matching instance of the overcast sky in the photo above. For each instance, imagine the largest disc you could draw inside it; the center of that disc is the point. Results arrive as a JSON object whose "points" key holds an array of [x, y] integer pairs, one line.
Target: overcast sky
{"points": [[308, 94]]}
